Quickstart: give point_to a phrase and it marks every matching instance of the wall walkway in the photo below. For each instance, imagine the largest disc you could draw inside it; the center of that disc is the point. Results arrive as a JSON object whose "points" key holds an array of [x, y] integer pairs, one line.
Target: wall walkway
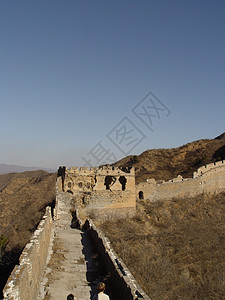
{"points": [[71, 268], [81, 258], [60, 260]]}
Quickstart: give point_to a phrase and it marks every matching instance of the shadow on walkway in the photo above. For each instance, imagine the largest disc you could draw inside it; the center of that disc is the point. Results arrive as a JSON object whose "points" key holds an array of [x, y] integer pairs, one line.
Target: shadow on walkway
{"points": [[96, 271]]}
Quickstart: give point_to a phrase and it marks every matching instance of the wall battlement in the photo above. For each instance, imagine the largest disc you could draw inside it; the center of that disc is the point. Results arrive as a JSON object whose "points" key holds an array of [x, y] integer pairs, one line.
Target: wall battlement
{"points": [[111, 190], [207, 179], [101, 171], [105, 191], [213, 167], [114, 188], [208, 167]]}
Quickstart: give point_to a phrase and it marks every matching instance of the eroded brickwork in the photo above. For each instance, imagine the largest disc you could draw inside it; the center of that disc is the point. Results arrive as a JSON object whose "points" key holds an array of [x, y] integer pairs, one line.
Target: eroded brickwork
{"points": [[24, 281], [105, 191]]}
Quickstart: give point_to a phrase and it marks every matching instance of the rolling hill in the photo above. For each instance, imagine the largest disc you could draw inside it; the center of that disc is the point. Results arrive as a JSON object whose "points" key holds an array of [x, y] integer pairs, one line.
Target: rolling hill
{"points": [[23, 198], [165, 164], [24, 195], [5, 169]]}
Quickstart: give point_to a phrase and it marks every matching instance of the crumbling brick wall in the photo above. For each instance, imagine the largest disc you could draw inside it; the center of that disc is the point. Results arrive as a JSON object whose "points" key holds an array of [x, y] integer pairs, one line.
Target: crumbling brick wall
{"points": [[24, 281], [106, 191]]}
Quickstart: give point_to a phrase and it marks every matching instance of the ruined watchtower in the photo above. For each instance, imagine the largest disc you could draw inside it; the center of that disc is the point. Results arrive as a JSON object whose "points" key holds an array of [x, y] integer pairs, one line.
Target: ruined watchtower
{"points": [[105, 191]]}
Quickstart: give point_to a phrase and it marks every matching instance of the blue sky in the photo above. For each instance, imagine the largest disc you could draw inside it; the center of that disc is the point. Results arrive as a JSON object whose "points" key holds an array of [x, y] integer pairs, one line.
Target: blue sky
{"points": [[71, 71]]}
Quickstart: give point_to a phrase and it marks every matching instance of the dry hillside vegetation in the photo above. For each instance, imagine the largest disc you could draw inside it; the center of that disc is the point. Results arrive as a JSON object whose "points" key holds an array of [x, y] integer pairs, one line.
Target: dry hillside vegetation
{"points": [[159, 240], [175, 249], [23, 198], [168, 163], [6, 178]]}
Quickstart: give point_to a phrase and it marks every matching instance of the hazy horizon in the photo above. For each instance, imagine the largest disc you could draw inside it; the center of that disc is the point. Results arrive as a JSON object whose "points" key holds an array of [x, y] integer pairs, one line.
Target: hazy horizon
{"points": [[56, 168]]}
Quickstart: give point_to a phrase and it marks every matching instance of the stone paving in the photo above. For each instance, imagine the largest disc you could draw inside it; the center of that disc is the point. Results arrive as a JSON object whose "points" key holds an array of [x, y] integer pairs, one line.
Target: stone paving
{"points": [[71, 268]]}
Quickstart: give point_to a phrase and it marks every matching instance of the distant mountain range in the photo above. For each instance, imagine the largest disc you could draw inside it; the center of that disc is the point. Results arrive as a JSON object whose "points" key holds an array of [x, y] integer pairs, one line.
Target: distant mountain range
{"points": [[4, 169]]}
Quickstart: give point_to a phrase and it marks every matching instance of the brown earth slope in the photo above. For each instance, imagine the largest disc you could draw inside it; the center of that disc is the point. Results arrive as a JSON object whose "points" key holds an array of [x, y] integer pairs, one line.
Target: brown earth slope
{"points": [[175, 249], [168, 163], [23, 198], [6, 178]]}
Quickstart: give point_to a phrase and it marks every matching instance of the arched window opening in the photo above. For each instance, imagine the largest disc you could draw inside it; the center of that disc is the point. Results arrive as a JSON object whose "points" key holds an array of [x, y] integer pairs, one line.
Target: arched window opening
{"points": [[80, 184], [69, 185], [109, 180], [123, 182], [141, 195], [83, 200], [69, 191]]}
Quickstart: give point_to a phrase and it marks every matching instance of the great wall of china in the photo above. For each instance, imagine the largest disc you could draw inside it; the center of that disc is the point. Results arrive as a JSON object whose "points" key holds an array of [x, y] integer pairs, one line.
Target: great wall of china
{"points": [[106, 192], [207, 179]]}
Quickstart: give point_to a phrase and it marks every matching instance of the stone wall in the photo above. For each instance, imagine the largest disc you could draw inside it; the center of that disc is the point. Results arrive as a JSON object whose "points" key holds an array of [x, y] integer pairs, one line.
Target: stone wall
{"points": [[208, 179], [206, 168], [121, 280], [105, 191], [23, 283], [59, 184]]}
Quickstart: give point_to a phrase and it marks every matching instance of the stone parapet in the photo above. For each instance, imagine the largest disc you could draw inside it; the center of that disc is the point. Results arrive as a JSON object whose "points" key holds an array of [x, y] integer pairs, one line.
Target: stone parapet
{"points": [[200, 171], [121, 279], [23, 283], [104, 170]]}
